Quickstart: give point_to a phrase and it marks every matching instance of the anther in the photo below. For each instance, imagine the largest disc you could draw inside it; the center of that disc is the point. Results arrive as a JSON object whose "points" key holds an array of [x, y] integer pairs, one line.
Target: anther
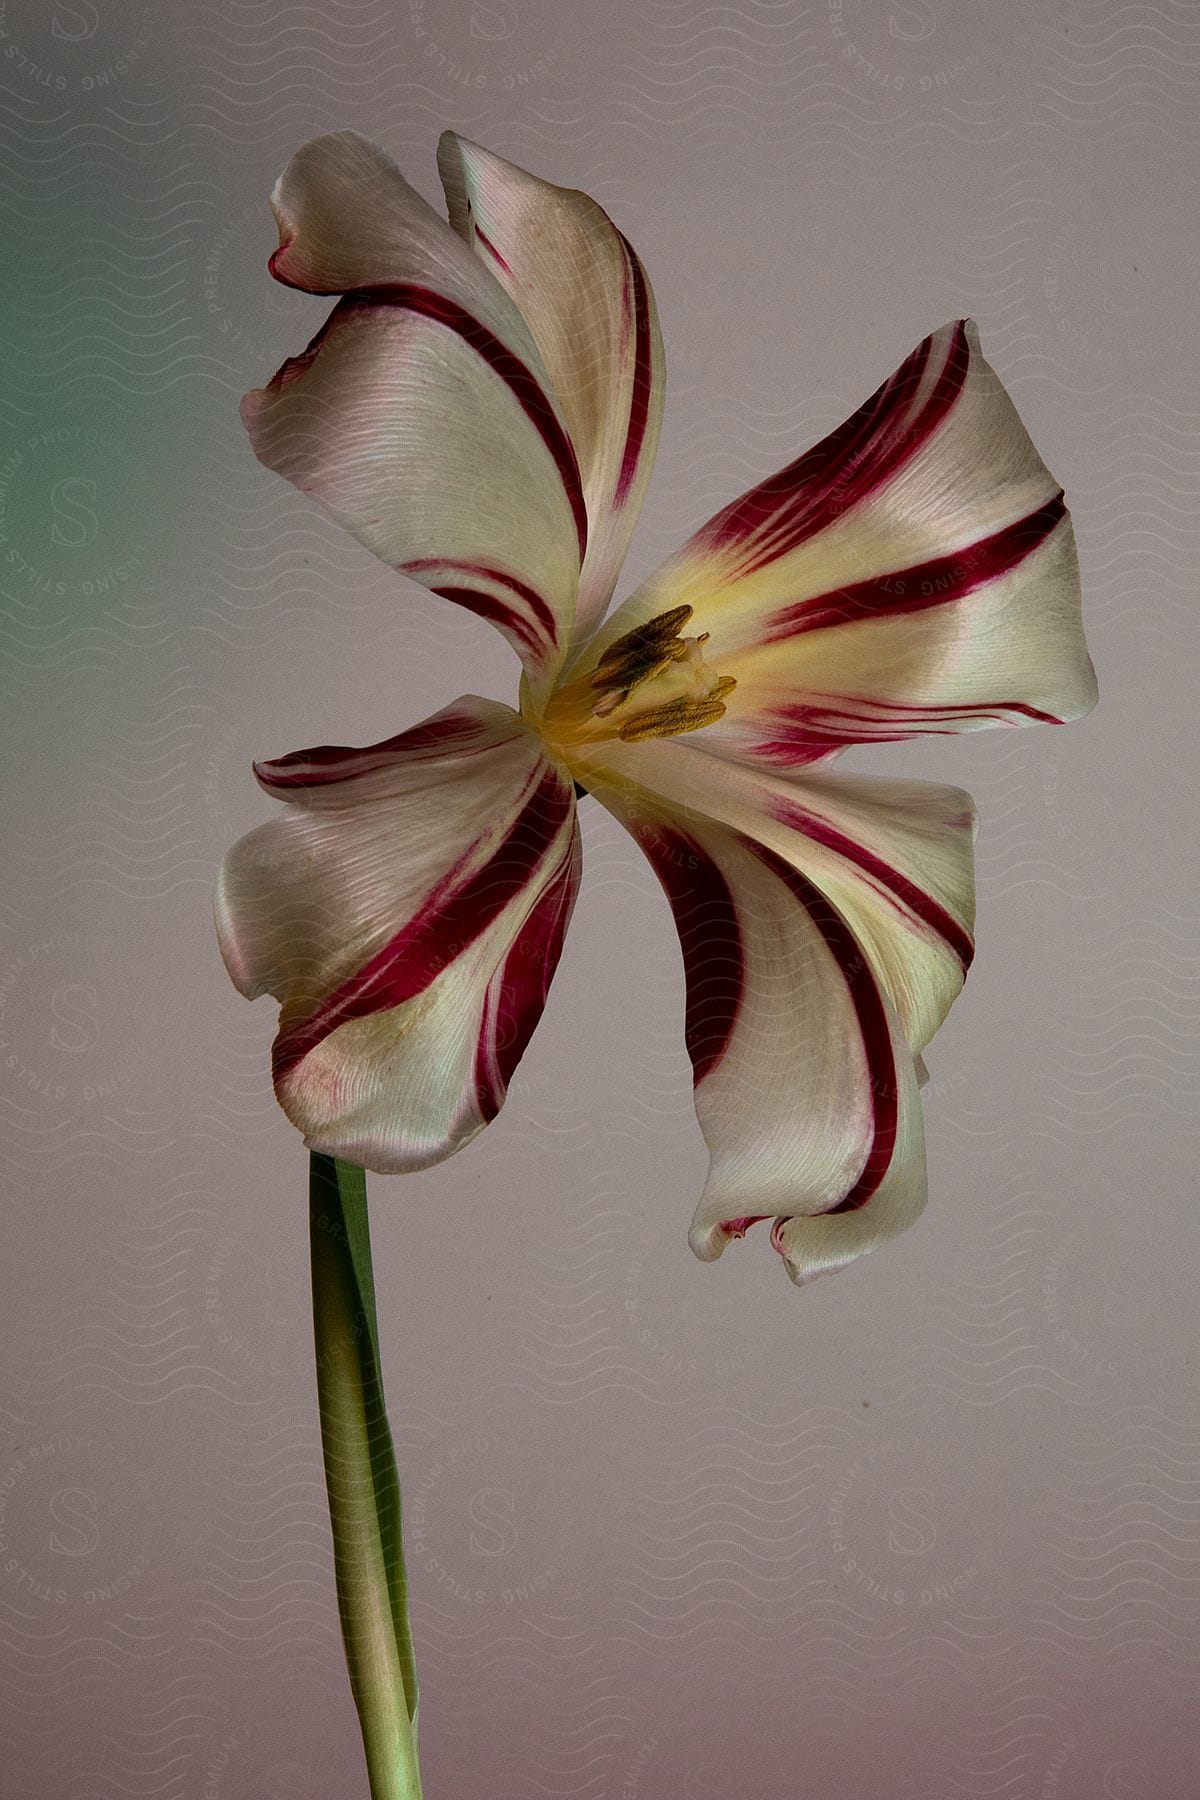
{"points": [[640, 652]]}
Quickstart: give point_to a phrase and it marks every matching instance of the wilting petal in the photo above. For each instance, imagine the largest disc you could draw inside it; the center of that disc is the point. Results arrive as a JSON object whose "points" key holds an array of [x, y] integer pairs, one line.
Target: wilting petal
{"points": [[421, 415], [408, 910], [806, 1089], [915, 572], [584, 294], [896, 858]]}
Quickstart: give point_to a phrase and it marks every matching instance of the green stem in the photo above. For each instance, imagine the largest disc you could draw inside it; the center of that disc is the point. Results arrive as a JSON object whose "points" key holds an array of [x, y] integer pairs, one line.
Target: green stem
{"points": [[360, 1475]]}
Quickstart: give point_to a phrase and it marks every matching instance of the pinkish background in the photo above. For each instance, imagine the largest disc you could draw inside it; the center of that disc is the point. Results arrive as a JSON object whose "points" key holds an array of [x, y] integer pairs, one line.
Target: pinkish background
{"points": [[927, 1531]]}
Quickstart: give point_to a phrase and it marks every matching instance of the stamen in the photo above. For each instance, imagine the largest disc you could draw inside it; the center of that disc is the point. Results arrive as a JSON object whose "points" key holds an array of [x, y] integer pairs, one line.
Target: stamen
{"points": [[610, 702], [639, 653], [651, 682], [678, 716], [628, 678]]}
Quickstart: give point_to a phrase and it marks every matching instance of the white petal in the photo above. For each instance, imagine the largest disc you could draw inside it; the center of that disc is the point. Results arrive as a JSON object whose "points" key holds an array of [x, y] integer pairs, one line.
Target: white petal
{"points": [[408, 910], [349, 221], [584, 294], [915, 572], [806, 1088], [895, 857], [421, 416]]}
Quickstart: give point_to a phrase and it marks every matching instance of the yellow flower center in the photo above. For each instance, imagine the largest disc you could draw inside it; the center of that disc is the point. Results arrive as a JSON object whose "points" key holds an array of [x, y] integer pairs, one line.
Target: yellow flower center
{"points": [[650, 683]]}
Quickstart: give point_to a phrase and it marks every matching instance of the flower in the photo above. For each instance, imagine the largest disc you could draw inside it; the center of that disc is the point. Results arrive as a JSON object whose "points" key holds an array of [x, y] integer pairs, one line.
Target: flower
{"points": [[481, 410]]}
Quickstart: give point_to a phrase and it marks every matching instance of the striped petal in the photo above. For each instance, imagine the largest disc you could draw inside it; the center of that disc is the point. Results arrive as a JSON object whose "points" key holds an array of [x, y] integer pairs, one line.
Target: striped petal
{"points": [[421, 416], [895, 857], [806, 1087], [408, 911], [584, 294], [914, 573]]}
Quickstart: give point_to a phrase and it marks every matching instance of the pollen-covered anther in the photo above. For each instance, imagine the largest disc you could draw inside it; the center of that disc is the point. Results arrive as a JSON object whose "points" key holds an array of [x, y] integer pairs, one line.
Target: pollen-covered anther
{"points": [[654, 683], [620, 684], [675, 716], [640, 653]]}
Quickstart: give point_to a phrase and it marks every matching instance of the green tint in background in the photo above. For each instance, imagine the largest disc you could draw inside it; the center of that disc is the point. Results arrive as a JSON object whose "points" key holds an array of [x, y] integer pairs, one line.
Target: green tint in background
{"points": [[926, 1530]]}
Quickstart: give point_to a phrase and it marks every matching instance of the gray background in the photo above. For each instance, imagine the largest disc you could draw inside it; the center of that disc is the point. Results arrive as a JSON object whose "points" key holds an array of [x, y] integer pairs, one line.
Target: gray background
{"points": [[927, 1530]]}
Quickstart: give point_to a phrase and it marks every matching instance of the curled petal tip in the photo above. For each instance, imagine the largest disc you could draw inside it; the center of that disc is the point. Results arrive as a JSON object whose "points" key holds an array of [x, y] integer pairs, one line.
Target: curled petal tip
{"points": [[265, 771], [278, 257], [814, 1245], [797, 1273], [707, 1241], [737, 1228]]}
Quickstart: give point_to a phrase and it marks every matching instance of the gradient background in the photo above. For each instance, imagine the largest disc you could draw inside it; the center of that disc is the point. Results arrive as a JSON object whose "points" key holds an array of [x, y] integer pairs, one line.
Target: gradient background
{"points": [[927, 1530]]}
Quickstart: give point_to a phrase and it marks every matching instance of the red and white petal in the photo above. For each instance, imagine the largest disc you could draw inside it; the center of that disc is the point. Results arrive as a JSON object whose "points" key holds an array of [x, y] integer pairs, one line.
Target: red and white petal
{"points": [[407, 910], [896, 858], [915, 572], [421, 415], [584, 294], [349, 222], [806, 1090], [430, 451]]}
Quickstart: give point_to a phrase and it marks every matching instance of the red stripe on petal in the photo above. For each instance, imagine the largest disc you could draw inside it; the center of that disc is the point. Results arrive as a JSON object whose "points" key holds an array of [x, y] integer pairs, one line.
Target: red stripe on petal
{"points": [[496, 612], [871, 1014], [898, 885], [329, 763], [917, 709], [456, 913], [846, 467], [541, 614], [808, 730], [709, 936], [639, 399], [935, 583], [492, 250], [520, 379], [516, 997]]}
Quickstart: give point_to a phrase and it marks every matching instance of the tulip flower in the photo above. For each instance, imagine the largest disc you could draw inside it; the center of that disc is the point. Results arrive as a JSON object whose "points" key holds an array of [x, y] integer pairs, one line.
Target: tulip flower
{"points": [[481, 410]]}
